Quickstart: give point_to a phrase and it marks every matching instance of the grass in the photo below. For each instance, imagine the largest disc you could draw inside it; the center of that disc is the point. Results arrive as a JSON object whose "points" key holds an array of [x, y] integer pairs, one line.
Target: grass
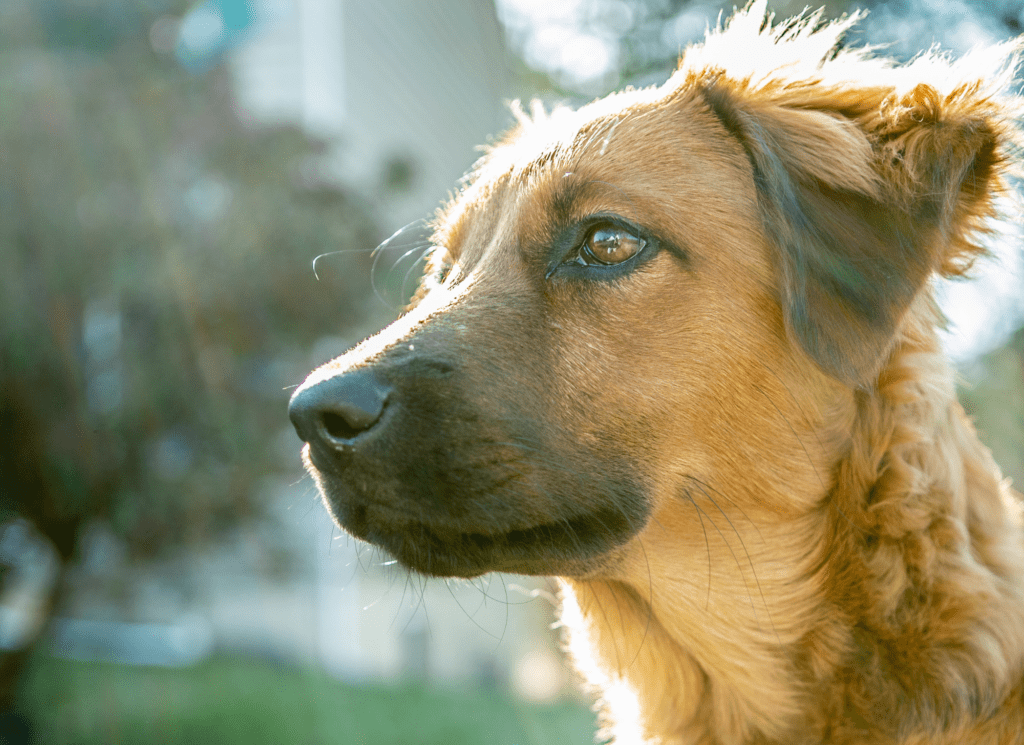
{"points": [[234, 700]]}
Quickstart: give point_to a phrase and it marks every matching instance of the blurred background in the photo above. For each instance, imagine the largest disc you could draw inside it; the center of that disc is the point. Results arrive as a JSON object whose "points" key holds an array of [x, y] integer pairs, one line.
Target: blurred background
{"points": [[169, 171]]}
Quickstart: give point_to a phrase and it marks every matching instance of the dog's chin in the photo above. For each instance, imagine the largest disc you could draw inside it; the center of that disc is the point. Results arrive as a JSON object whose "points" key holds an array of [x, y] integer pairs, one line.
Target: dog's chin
{"points": [[574, 546]]}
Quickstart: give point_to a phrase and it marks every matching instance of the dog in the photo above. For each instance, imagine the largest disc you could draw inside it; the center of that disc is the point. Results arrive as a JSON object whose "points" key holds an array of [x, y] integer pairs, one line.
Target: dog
{"points": [[679, 349]]}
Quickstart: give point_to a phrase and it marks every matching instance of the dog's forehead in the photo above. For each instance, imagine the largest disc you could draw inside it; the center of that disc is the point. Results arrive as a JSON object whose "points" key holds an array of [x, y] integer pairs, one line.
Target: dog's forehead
{"points": [[657, 157]]}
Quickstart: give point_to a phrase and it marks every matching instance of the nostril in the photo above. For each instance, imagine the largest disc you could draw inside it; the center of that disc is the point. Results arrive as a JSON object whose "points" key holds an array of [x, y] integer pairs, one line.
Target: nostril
{"points": [[338, 427], [338, 409], [343, 422]]}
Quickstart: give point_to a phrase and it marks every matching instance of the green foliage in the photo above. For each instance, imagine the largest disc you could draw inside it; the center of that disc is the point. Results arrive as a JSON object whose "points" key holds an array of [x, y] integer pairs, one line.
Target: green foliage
{"points": [[228, 701], [994, 398], [156, 277]]}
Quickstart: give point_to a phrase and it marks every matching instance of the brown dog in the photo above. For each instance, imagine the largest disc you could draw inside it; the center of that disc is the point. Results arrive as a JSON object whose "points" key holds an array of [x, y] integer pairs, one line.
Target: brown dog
{"points": [[679, 349]]}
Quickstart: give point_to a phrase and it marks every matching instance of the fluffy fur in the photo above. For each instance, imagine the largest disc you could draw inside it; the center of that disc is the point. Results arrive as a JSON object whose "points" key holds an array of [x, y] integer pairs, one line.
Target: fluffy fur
{"points": [[740, 451]]}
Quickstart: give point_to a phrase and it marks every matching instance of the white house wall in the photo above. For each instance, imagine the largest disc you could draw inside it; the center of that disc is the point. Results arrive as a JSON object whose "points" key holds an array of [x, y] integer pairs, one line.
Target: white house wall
{"points": [[387, 79]]}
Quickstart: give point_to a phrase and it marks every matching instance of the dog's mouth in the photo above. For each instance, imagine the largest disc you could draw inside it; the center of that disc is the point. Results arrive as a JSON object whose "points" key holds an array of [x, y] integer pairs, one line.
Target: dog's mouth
{"points": [[568, 546]]}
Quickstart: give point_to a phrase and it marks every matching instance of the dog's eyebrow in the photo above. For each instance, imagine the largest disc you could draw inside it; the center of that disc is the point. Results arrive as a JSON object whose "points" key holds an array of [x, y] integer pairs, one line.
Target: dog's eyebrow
{"points": [[575, 189], [558, 206], [568, 205], [569, 192]]}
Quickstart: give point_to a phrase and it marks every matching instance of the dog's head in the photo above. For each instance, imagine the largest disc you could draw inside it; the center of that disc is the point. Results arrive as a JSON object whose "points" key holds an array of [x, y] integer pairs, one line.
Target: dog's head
{"points": [[638, 300]]}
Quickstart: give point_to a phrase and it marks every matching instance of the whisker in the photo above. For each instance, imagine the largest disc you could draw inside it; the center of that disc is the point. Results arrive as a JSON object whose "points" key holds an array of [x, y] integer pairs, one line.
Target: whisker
{"points": [[607, 623], [419, 263], [336, 253], [379, 247], [422, 604], [504, 628], [485, 592], [750, 561], [354, 564], [731, 551], [731, 501], [467, 614], [401, 600], [650, 602], [622, 619], [707, 546], [423, 246], [379, 250]]}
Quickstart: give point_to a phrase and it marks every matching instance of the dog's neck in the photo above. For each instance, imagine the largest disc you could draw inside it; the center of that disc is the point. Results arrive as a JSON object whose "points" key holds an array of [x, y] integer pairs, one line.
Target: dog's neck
{"points": [[919, 575]]}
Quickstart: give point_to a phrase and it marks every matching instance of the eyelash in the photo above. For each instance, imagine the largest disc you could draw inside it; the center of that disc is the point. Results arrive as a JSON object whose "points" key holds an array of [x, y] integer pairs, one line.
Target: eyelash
{"points": [[574, 262]]}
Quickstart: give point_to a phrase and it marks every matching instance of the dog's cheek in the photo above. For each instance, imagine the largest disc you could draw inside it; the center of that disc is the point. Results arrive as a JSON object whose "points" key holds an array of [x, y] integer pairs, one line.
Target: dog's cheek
{"points": [[611, 383], [673, 370]]}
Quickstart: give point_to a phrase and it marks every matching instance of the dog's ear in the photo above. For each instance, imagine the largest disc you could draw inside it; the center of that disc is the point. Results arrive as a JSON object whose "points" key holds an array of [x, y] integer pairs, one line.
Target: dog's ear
{"points": [[862, 207]]}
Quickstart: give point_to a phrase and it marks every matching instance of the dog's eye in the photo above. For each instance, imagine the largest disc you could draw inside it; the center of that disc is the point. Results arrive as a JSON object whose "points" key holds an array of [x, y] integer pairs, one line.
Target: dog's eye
{"points": [[609, 245]]}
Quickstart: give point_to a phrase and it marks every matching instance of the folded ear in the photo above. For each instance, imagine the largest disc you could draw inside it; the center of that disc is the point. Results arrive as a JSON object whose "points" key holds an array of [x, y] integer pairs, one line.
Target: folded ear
{"points": [[862, 206]]}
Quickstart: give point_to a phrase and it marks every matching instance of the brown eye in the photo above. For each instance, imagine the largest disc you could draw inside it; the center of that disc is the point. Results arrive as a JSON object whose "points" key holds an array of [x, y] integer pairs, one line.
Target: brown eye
{"points": [[610, 245]]}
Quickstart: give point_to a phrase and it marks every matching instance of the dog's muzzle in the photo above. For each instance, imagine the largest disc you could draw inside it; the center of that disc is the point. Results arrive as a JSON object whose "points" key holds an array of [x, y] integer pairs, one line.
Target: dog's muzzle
{"points": [[455, 473]]}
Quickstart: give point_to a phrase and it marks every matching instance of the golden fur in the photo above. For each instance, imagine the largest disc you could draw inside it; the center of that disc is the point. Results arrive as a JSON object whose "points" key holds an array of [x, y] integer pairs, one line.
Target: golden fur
{"points": [[741, 453]]}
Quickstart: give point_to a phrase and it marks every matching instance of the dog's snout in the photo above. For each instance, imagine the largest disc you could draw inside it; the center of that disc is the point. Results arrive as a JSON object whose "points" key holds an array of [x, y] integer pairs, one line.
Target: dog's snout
{"points": [[336, 410]]}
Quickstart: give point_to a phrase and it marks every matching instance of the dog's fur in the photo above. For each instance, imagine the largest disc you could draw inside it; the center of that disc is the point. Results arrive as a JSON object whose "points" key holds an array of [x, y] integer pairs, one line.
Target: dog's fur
{"points": [[740, 450]]}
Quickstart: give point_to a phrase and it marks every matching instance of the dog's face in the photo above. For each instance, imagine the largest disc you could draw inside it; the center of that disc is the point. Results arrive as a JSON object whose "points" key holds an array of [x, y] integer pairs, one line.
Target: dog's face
{"points": [[599, 335], [629, 307]]}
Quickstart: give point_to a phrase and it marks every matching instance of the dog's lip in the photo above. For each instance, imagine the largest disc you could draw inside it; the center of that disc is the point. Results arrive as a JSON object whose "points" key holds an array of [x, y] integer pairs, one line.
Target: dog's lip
{"points": [[446, 550]]}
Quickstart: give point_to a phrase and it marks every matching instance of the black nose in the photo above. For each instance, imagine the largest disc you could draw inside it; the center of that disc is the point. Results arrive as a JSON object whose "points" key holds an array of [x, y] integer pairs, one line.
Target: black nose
{"points": [[337, 409]]}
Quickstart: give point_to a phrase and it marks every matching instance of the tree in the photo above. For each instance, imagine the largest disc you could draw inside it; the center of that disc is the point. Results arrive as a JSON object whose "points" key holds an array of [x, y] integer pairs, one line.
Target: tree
{"points": [[994, 397], [155, 290]]}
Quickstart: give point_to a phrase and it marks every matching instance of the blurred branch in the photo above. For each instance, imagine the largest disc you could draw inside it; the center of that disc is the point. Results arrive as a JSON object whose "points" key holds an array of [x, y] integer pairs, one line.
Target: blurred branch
{"points": [[157, 290]]}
